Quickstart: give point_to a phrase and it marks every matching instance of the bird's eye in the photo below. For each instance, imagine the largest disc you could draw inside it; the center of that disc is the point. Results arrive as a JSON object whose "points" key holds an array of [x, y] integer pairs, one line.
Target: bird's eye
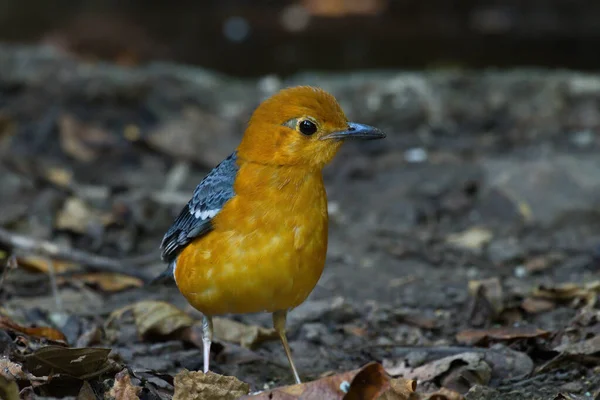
{"points": [[307, 127]]}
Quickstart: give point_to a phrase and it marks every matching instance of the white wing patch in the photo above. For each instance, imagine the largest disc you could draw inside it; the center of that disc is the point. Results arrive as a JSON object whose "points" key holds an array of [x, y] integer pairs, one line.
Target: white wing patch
{"points": [[206, 213]]}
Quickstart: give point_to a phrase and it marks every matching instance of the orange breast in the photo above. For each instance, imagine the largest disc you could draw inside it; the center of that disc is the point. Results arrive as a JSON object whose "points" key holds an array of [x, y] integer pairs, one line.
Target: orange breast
{"points": [[267, 250]]}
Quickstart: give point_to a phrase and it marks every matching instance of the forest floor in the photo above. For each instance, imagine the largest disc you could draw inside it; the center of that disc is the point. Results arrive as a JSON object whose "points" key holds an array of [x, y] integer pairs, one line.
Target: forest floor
{"points": [[464, 248]]}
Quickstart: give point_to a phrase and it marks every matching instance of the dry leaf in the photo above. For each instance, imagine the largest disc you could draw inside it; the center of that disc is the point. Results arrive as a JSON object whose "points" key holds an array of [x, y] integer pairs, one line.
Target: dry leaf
{"points": [[81, 363], [86, 392], [77, 216], [105, 281], [480, 336], [587, 292], [9, 390], [41, 332], [83, 142], [236, 332], [443, 394], [59, 176], [11, 370], [123, 389], [491, 290], [535, 306], [459, 371], [191, 385], [41, 264], [372, 383], [159, 318], [542, 262], [473, 239], [586, 347]]}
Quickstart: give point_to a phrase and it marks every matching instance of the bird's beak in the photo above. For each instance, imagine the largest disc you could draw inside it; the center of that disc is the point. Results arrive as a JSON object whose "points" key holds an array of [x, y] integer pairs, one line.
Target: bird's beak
{"points": [[356, 131]]}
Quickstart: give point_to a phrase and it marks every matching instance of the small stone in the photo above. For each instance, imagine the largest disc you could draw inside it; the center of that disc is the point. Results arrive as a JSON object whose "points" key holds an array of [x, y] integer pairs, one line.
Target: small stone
{"points": [[314, 331]]}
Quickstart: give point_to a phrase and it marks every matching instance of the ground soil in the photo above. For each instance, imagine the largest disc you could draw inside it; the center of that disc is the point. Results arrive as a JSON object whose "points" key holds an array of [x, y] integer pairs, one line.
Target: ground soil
{"points": [[483, 175]]}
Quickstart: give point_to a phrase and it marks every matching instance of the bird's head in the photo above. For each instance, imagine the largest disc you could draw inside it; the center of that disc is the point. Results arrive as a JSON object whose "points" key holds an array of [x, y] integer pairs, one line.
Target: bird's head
{"points": [[302, 126]]}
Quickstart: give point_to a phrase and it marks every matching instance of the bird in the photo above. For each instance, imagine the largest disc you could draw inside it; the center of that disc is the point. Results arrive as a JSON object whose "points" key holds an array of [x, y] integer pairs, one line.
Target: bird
{"points": [[253, 237]]}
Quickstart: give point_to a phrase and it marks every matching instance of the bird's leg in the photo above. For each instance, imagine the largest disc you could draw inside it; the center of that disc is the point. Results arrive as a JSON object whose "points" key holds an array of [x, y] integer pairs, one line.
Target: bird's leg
{"points": [[207, 334], [279, 324]]}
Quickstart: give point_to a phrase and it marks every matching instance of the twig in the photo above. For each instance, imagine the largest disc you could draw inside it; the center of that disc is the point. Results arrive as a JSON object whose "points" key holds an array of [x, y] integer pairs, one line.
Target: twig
{"points": [[54, 285], [90, 261], [11, 263]]}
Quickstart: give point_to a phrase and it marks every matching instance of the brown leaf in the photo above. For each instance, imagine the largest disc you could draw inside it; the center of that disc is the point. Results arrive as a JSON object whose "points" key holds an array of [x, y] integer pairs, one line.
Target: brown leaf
{"points": [[83, 142], [8, 389], [159, 318], [372, 383], [458, 372], [443, 394], [542, 262], [535, 306], [488, 300], [81, 363], [491, 289], [480, 336], [123, 389], [59, 176], [76, 216], [586, 347], [587, 292], [400, 389], [190, 385], [105, 281], [41, 332], [86, 392], [236, 332], [11, 370], [42, 264], [473, 239]]}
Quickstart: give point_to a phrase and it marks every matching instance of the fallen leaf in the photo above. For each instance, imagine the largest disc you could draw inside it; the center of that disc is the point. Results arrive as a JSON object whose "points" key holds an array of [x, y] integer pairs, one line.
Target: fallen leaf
{"points": [[159, 318], [76, 216], [481, 336], [458, 372], [83, 142], [535, 306], [587, 292], [585, 347], [190, 385], [473, 239], [488, 300], [86, 392], [83, 363], [491, 290], [443, 394], [123, 389], [372, 383], [42, 264], [41, 332], [247, 336], [105, 281], [9, 390], [542, 262], [59, 176], [11, 370]]}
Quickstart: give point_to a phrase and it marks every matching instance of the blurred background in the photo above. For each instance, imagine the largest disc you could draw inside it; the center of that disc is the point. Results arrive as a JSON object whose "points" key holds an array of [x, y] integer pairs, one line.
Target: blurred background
{"points": [[254, 37], [476, 222]]}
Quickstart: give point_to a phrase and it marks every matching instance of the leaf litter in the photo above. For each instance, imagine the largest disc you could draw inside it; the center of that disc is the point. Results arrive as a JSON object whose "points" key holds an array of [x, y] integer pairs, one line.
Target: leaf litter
{"points": [[471, 324]]}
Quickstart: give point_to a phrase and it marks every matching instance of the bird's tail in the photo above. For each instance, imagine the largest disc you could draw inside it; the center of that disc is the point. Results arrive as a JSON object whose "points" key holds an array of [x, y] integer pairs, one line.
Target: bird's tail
{"points": [[166, 277]]}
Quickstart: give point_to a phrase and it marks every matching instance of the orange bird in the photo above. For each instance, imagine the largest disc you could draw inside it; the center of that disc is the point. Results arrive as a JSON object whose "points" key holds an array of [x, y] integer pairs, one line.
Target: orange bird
{"points": [[253, 237]]}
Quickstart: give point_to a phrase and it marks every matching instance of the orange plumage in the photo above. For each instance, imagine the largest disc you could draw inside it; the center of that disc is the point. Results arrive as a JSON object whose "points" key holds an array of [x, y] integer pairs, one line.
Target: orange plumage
{"points": [[261, 245]]}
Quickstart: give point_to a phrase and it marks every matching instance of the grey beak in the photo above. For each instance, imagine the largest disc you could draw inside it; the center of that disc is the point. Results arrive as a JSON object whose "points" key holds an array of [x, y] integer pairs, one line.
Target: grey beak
{"points": [[356, 131]]}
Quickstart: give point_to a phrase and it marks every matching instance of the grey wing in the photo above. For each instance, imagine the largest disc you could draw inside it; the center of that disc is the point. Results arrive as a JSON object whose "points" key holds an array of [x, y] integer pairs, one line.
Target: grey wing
{"points": [[195, 218]]}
